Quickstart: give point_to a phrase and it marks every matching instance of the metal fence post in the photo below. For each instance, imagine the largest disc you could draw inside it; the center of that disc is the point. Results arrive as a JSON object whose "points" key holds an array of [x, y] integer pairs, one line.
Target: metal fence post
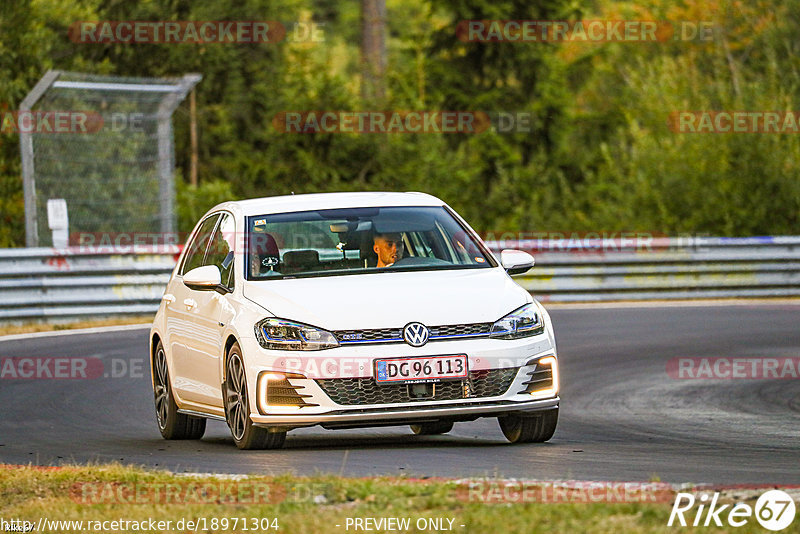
{"points": [[166, 154], [26, 152]]}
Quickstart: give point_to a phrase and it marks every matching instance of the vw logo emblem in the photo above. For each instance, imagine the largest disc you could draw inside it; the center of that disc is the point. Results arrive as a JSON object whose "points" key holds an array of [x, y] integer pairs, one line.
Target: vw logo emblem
{"points": [[416, 334]]}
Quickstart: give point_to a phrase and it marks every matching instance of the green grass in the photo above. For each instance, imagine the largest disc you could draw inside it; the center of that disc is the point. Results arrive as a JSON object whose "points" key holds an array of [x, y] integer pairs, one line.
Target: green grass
{"points": [[300, 504]]}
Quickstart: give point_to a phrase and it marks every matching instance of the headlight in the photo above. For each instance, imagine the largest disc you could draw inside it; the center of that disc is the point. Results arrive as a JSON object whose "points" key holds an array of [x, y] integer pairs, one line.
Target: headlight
{"points": [[281, 334], [522, 322]]}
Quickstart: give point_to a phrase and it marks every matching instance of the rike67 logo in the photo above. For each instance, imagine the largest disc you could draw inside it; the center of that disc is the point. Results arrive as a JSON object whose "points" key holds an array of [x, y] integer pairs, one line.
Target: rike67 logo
{"points": [[774, 510]]}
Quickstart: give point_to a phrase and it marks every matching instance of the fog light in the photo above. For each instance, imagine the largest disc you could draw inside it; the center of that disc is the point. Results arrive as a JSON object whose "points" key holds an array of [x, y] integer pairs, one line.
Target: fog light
{"points": [[274, 389], [273, 376], [552, 390]]}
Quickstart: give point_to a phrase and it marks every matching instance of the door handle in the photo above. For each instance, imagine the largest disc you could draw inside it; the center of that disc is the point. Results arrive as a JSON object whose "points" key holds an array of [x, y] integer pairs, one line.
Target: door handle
{"points": [[168, 298], [190, 303]]}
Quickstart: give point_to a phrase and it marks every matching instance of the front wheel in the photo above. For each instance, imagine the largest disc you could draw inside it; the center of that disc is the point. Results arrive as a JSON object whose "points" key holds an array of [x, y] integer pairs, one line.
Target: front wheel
{"points": [[529, 428], [237, 409], [171, 424]]}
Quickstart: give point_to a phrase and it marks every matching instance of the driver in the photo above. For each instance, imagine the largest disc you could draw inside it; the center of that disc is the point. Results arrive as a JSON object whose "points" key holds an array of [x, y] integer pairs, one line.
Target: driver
{"points": [[389, 248]]}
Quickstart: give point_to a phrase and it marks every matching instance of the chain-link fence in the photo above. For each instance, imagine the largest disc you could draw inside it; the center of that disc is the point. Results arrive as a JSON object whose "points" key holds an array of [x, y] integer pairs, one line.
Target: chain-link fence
{"points": [[104, 144]]}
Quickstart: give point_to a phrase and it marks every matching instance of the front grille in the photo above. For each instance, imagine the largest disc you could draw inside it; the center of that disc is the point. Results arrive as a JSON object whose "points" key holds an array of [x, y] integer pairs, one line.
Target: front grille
{"points": [[365, 336], [395, 335], [357, 391], [460, 330]]}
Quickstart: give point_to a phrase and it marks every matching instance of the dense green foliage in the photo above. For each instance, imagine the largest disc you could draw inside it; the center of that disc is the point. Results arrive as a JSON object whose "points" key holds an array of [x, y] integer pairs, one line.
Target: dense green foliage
{"points": [[599, 155]]}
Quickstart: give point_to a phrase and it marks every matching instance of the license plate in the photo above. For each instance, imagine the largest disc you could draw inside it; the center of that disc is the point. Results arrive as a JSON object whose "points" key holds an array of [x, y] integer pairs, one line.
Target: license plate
{"points": [[423, 369]]}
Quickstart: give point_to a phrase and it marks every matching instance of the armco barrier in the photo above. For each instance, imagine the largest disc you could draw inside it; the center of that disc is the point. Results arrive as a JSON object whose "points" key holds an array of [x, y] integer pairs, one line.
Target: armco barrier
{"points": [[660, 268], [45, 283]]}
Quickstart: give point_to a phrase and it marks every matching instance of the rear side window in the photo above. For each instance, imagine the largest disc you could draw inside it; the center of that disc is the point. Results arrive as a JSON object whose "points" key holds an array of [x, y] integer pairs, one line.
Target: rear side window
{"points": [[196, 247]]}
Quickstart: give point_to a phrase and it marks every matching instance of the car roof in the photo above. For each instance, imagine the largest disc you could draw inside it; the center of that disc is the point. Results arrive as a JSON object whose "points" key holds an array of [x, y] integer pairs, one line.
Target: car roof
{"points": [[316, 201]]}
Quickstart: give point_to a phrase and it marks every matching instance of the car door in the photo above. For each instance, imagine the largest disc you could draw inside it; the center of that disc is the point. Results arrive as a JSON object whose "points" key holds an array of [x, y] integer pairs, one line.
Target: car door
{"points": [[184, 325], [213, 311]]}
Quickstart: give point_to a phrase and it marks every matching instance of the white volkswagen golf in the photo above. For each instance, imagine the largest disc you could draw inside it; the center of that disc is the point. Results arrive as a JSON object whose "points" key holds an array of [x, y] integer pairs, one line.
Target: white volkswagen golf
{"points": [[348, 310]]}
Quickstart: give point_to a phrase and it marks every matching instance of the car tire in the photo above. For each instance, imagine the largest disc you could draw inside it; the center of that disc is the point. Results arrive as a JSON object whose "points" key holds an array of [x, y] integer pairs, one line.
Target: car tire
{"points": [[246, 435], [171, 424], [529, 428], [430, 429]]}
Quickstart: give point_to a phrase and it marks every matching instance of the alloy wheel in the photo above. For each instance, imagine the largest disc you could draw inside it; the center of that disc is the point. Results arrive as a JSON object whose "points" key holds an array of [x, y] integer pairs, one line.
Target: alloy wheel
{"points": [[236, 397]]}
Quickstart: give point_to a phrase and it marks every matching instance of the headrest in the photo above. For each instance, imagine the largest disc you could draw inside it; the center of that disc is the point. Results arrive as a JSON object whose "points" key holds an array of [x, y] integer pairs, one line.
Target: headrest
{"points": [[263, 244], [301, 258], [367, 249]]}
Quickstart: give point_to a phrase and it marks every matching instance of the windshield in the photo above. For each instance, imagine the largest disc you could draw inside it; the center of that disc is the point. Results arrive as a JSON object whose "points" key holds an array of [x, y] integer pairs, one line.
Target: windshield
{"points": [[357, 240]]}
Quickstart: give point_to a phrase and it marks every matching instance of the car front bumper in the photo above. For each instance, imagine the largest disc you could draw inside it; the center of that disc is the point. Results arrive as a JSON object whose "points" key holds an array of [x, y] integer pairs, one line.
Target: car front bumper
{"points": [[516, 359]]}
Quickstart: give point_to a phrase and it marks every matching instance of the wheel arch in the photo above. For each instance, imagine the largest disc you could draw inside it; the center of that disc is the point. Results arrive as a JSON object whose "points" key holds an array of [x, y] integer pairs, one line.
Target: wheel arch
{"points": [[229, 341], [155, 338]]}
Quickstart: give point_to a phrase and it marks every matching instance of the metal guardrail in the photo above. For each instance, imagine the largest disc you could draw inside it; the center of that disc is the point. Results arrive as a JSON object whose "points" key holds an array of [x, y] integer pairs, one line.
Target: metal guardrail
{"points": [[44, 283], [642, 268]]}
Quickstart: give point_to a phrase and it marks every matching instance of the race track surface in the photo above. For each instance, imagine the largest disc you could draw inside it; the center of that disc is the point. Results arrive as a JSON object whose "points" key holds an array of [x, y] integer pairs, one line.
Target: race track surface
{"points": [[622, 416]]}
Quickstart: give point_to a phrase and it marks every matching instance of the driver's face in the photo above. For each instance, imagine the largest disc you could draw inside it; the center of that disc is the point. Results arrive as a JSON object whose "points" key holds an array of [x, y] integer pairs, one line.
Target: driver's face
{"points": [[389, 248]]}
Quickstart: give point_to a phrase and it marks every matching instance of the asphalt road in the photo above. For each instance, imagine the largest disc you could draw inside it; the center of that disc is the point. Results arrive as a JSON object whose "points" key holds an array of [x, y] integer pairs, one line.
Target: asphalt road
{"points": [[622, 417]]}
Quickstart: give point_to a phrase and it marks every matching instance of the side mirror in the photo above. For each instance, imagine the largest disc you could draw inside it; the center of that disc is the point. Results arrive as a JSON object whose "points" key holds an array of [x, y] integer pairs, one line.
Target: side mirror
{"points": [[205, 278], [516, 261]]}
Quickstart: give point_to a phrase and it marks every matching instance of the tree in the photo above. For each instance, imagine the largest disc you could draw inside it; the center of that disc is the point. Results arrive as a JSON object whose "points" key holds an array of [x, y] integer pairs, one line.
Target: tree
{"points": [[373, 50]]}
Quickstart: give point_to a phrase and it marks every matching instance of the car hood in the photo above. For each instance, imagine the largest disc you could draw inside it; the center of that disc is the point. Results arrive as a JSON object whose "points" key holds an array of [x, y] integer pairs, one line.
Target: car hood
{"points": [[391, 299]]}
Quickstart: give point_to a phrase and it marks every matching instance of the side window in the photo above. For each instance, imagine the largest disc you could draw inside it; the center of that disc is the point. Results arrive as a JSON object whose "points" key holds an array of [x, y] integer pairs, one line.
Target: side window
{"points": [[220, 250], [196, 248]]}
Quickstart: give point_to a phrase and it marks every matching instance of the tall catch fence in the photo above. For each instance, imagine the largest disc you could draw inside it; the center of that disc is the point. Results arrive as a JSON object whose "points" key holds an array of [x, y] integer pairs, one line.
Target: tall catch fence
{"points": [[102, 149]]}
